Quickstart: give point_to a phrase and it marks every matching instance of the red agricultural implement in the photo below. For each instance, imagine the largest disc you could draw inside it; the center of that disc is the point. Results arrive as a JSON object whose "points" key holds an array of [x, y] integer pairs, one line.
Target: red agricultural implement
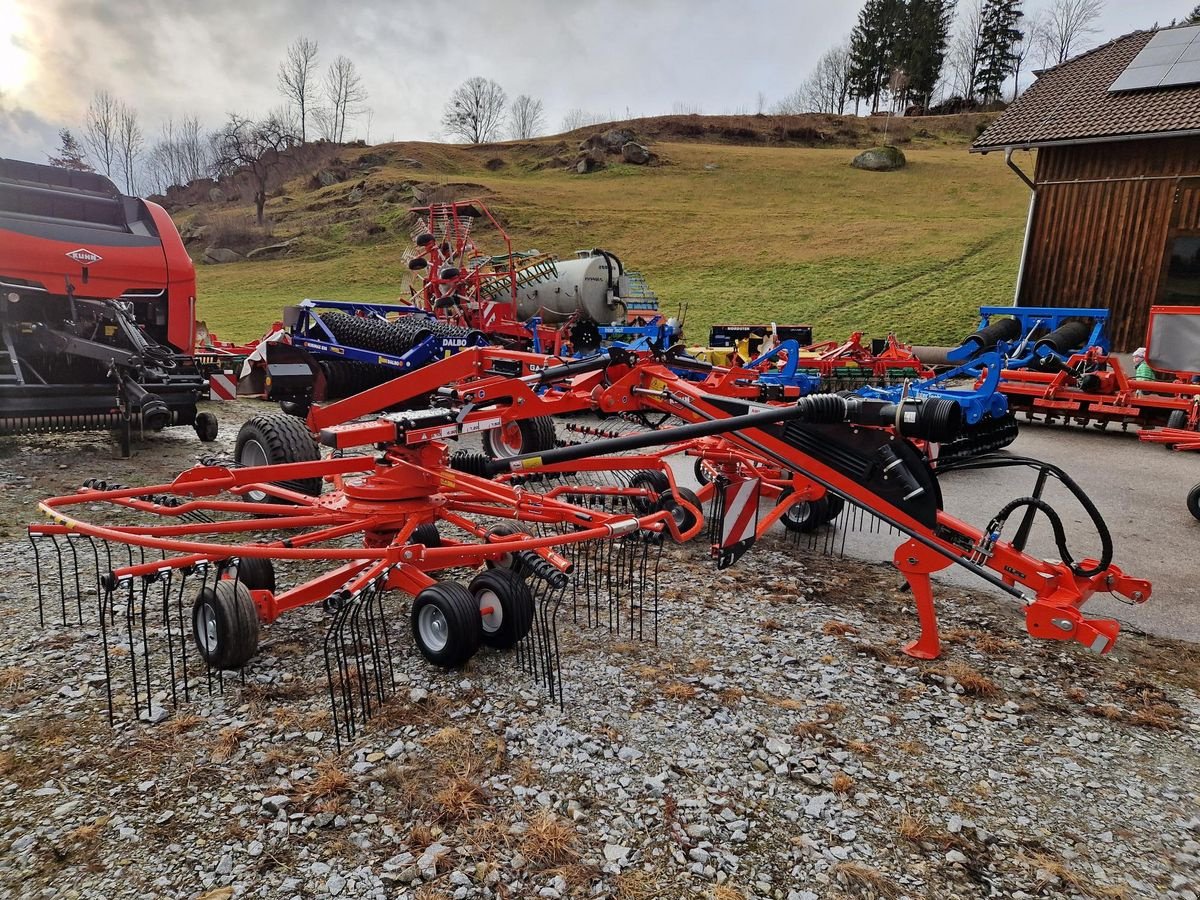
{"points": [[97, 309], [528, 300], [843, 451]]}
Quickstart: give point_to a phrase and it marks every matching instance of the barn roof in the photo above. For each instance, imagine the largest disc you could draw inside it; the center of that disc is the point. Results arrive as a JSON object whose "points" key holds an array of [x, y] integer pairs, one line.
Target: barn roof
{"points": [[1072, 103]]}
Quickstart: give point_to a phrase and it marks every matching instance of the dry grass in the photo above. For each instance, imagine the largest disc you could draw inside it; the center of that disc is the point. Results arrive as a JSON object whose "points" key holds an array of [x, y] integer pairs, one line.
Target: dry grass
{"points": [[808, 729], [182, 722], [421, 836], [727, 892], [13, 678], [636, 884], [459, 800], [331, 781], [228, 741], [840, 629], [865, 880], [1056, 868], [862, 748], [914, 829], [677, 690], [841, 783], [973, 682], [770, 624], [549, 841]]}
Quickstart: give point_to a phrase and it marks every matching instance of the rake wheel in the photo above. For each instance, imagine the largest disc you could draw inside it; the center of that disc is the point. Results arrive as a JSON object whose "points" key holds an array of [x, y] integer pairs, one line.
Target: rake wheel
{"points": [[225, 625], [806, 516], [505, 607], [649, 480], [257, 573], [446, 624], [670, 502], [1193, 501], [278, 438], [523, 436]]}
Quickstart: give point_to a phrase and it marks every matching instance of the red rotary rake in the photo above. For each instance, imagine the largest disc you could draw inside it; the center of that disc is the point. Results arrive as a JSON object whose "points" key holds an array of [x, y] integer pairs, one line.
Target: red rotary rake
{"points": [[407, 519], [823, 449]]}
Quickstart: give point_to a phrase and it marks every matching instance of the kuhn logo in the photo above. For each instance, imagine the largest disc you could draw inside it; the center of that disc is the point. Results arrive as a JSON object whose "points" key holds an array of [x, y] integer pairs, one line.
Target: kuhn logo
{"points": [[85, 257]]}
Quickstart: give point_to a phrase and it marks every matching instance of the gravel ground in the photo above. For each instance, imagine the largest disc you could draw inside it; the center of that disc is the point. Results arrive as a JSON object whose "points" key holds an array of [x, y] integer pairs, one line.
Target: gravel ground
{"points": [[773, 743]]}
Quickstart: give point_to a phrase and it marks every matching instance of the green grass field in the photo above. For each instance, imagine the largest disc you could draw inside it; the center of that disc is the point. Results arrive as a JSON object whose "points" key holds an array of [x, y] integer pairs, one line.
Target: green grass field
{"points": [[772, 234]]}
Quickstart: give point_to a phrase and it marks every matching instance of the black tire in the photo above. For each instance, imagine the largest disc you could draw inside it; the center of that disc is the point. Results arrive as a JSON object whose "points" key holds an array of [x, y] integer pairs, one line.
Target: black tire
{"points": [[1193, 501], [446, 624], [805, 515], [426, 534], [520, 437], [206, 427], [684, 517], [508, 560], [834, 504], [225, 625], [1178, 419], [256, 572], [511, 616], [297, 408], [701, 471], [275, 439], [649, 480]]}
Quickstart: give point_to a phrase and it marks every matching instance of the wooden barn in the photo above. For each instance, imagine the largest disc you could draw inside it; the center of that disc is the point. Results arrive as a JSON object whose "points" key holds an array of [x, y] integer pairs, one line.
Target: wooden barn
{"points": [[1114, 216]]}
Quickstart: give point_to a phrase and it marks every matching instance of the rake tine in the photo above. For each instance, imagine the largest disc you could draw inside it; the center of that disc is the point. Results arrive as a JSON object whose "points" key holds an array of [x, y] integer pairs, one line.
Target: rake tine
{"points": [[106, 599], [37, 568]]}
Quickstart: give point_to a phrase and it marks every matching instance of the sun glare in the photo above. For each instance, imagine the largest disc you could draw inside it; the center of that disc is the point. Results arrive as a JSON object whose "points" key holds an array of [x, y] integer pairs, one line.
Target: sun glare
{"points": [[14, 59]]}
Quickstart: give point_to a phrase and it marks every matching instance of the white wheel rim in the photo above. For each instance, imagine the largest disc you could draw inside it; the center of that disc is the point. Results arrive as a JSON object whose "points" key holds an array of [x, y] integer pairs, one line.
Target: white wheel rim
{"points": [[433, 628], [799, 511], [254, 454], [507, 438], [494, 619], [206, 634]]}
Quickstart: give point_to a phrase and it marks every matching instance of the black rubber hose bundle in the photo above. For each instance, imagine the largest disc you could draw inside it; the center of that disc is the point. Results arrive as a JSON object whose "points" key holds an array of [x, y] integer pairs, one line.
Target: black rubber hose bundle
{"points": [[1060, 538]]}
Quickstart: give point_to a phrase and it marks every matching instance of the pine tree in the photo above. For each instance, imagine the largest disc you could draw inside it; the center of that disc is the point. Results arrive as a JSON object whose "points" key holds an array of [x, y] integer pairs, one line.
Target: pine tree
{"points": [[70, 153], [873, 48], [924, 36], [998, 34]]}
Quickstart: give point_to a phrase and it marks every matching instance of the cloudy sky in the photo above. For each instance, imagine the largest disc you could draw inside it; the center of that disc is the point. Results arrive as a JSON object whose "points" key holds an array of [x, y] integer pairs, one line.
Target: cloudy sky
{"points": [[625, 57]]}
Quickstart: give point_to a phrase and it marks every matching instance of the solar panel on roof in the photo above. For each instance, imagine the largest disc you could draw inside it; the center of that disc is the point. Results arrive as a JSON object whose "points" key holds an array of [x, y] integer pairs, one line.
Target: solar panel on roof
{"points": [[1171, 58]]}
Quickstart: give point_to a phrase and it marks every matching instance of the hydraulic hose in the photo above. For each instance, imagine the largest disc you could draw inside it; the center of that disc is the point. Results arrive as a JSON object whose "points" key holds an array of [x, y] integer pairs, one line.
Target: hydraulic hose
{"points": [[998, 462]]}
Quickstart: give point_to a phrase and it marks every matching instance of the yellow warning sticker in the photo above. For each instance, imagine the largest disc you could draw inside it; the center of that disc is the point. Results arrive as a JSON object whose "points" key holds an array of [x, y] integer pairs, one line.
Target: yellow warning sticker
{"points": [[657, 384]]}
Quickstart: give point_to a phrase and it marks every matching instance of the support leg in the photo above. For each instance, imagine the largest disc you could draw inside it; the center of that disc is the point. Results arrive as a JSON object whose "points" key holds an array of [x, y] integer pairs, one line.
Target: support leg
{"points": [[917, 562]]}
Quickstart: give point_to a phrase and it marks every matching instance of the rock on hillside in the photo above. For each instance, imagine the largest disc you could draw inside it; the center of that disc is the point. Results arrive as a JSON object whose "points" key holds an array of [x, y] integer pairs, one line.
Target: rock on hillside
{"points": [[880, 159]]}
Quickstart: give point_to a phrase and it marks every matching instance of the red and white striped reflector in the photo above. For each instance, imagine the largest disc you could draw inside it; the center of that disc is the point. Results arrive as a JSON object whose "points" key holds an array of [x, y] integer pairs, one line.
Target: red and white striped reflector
{"points": [[741, 511], [222, 386]]}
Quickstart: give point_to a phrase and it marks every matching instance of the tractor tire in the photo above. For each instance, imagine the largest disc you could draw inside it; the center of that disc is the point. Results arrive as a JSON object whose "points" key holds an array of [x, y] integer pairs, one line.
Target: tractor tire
{"points": [[296, 408], [509, 561], [206, 427], [1178, 419], [504, 593], [520, 437], [684, 518], [426, 534], [834, 504], [446, 624], [256, 572], [805, 516], [274, 439], [1193, 501], [649, 480], [225, 625]]}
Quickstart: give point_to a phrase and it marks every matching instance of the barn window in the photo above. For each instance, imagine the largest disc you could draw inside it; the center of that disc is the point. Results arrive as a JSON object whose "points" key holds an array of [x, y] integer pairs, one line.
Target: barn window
{"points": [[1182, 284]]}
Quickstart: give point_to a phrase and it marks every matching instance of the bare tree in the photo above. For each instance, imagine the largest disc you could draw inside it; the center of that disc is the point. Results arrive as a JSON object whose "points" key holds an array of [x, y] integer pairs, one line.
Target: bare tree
{"points": [[1032, 39], [964, 50], [475, 111], [344, 92], [100, 130], [180, 155], [298, 79], [760, 103], [130, 143], [828, 87], [526, 118], [252, 151], [578, 118], [1069, 23]]}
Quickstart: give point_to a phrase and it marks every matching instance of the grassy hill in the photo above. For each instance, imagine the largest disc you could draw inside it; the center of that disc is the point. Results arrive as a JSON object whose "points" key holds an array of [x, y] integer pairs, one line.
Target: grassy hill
{"points": [[731, 226]]}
